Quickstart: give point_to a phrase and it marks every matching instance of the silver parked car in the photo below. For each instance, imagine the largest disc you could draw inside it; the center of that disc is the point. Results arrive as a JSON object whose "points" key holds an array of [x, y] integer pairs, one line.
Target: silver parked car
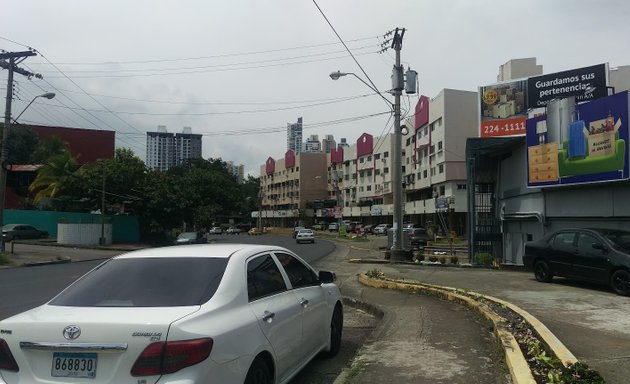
{"points": [[228, 313]]}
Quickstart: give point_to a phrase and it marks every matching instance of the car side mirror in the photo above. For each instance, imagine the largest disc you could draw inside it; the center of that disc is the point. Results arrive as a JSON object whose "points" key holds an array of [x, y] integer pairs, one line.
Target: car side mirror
{"points": [[601, 247], [326, 277]]}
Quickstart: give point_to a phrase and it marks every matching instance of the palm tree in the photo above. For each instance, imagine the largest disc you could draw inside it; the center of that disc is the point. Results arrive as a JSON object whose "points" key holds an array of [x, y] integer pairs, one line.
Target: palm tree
{"points": [[50, 178]]}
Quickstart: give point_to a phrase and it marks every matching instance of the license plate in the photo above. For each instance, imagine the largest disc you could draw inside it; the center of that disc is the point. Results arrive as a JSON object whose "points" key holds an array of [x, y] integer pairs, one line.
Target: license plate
{"points": [[65, 364]]}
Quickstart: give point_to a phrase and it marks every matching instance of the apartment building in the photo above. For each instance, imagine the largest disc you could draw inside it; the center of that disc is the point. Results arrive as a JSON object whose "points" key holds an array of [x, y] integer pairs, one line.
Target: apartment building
{"points": [[434, 164], [294, 136], [358, 176], [290, 186], [166, 150]]}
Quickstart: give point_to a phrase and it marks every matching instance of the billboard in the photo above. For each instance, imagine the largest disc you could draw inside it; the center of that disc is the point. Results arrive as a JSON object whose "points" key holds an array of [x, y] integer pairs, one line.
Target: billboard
{"points": [[588, 145], [504, 107], [585, 84]]}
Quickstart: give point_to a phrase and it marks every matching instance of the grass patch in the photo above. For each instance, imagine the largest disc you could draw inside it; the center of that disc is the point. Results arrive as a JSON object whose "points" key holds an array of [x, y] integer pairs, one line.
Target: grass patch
{"points": [[4, 259], [354, 372]]}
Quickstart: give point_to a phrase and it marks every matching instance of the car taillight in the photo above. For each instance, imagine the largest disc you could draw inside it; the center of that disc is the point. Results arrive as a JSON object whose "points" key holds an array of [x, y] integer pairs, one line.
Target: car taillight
{"points": [[168, 357], [7, 362]]}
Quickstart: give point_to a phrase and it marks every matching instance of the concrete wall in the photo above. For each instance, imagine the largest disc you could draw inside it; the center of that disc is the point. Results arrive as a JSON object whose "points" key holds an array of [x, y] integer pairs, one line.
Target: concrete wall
{"points": [[83, 234]]}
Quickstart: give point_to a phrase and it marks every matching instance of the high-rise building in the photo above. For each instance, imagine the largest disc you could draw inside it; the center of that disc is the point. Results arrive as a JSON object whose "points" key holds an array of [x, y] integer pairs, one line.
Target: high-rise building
{"points": [[187, 145], [236, 170], [166, 150], [328, 144], [294, 136], [343, 143], [312, 144], [160, 151]]}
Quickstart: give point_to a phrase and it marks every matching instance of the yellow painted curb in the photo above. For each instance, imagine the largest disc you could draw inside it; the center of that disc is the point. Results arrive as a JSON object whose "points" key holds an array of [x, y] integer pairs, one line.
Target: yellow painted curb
{"points": [[518, 366]]}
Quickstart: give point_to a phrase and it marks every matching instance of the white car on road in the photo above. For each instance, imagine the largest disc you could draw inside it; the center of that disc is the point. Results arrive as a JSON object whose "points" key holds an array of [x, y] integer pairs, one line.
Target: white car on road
{"points": [[229, 313], [305, 236]]}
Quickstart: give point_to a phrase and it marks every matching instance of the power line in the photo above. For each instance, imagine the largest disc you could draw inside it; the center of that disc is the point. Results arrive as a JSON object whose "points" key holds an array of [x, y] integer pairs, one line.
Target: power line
{"points": [[275, 129], [201, 57], [206, 66], [219, 102], [224, 112], [211, 71]]}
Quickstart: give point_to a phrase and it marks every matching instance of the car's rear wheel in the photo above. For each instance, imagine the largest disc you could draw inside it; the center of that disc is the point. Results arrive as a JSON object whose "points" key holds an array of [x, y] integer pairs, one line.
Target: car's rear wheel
{"points": [[542, 272], [336, 327], [258, 373], [620, 282]]}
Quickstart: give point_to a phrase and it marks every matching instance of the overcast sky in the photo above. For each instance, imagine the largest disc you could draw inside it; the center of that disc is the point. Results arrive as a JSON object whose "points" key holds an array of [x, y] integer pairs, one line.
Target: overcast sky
{"points": [[238, 71]]}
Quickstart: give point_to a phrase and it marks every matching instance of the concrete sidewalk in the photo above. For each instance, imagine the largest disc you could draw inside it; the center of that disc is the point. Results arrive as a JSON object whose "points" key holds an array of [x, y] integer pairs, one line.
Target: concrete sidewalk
{"points": [[420, 339], [590, 320]]}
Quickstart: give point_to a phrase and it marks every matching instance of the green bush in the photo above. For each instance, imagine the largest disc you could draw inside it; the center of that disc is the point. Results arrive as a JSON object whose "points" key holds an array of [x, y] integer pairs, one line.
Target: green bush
{"points": [[4, 259], [580, 373], [483, 258]]}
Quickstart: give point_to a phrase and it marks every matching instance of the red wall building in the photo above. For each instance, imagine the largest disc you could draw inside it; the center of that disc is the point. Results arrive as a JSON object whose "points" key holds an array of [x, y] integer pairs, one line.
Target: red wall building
{"points": [[87, 145]]}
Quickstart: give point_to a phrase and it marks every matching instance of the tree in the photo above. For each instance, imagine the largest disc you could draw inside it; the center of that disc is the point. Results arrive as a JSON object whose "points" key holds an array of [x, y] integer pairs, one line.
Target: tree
{"points": [[52, 176], [49, 147], [21, 144]]}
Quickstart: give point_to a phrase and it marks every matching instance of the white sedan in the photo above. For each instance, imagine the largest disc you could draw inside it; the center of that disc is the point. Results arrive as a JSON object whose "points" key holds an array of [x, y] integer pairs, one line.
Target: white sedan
{"points": [[229, 313], [305, 236]]}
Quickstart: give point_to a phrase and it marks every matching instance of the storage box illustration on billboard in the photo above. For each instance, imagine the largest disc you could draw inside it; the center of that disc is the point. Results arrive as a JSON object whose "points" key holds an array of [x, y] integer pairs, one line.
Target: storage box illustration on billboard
{"points": [[503, 109], [588, 146]]}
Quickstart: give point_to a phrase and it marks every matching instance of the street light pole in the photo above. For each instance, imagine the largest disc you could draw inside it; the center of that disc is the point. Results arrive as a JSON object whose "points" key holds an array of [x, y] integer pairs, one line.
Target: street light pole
{"points": [[48, 95], [398, 82]]}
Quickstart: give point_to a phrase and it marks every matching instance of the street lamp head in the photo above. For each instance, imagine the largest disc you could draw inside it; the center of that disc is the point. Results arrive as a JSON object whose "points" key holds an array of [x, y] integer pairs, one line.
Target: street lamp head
{"points": [[48, 95], [337, 75]]}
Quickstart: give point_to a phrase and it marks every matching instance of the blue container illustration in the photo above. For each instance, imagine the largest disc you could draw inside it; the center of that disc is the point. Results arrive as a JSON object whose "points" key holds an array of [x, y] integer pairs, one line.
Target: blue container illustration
{"points": [[577, 141]]}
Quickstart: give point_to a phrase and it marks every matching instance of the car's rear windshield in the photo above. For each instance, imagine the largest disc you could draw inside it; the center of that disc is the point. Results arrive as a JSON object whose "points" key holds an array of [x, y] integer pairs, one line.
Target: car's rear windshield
{"points": [[146, 282]]}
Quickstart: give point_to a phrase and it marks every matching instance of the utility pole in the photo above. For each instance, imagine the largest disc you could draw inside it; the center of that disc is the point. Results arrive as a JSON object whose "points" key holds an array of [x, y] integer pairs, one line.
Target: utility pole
{"points": [[14, 59], [397, 251]]}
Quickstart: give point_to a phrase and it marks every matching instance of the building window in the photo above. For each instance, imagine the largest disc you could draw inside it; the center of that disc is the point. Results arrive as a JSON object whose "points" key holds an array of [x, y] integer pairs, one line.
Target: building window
{"points": [[377, 172], [439, 146], [432, 151], [385, 170], [442, 190], [441, 168], [377, 156], [361, 160], [369, 188], [369, 158], [425, 173], [385, 155], [433, 171]]}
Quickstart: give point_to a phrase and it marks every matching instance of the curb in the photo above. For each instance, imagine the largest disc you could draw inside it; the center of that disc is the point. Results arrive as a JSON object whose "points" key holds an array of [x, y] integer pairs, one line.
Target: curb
{"points": [[515, 360]]}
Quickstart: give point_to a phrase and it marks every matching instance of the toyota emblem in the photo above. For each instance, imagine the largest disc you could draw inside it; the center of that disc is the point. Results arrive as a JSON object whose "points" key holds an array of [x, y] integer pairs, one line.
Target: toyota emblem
{"points": [[71, 332]]}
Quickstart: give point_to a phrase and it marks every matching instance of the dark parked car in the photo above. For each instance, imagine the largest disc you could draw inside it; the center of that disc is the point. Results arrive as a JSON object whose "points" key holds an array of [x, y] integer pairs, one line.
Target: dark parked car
{"points": [[190, 238], [418, 237], [12, 232], [597, 255], [368, 228]]}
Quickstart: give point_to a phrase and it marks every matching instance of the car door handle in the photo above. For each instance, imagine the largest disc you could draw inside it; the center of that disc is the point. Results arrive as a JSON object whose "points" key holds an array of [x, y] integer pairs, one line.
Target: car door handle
{"points": [[304, 303], [268, 316]]}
